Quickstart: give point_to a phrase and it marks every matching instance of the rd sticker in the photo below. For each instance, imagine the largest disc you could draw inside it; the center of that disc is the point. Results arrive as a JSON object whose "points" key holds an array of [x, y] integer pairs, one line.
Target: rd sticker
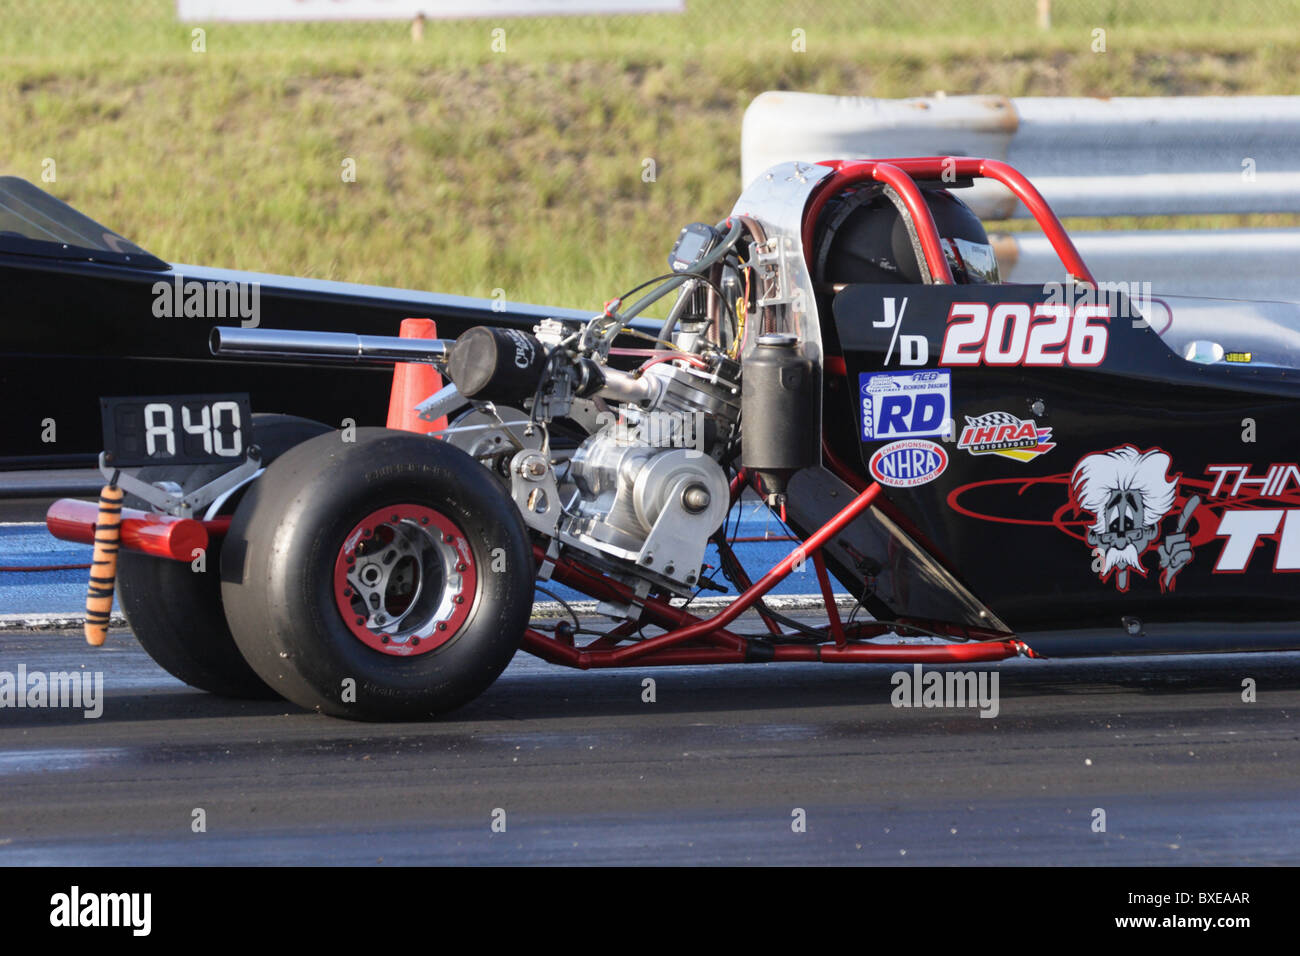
{"points": [[905, 404]]}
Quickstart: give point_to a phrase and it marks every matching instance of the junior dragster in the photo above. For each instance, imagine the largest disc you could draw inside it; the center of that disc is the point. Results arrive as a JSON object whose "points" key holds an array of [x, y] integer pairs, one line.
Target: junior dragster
{"points": [[968, 470]]}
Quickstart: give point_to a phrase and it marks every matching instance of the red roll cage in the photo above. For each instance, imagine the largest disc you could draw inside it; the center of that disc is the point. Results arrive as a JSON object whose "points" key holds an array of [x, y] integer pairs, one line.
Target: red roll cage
{"points": [[902, 174]]}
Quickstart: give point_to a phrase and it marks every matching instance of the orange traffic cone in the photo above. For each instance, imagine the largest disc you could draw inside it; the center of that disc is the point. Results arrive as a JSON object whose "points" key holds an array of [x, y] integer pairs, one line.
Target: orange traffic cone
{"points": [[413, 382]]}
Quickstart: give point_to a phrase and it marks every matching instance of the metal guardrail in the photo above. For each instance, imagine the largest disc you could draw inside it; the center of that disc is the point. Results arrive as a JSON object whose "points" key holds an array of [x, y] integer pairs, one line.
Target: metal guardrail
{"points": [[1168, 156], [1232, 263], [50, 483], [1088, 157]]}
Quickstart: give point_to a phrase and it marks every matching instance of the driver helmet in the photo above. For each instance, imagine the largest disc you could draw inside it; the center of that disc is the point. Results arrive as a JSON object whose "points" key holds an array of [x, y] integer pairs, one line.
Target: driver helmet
{"points": [[867, 240]]}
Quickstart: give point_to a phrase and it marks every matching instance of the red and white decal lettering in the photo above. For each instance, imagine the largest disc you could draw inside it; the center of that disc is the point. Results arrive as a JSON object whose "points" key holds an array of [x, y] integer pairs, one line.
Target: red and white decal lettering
{"points": [[1288, 545], [1278, 479], [1089, 331], [968, 325], [1008, 334], [1016, 333], [1047, 335], [1243, 529]]}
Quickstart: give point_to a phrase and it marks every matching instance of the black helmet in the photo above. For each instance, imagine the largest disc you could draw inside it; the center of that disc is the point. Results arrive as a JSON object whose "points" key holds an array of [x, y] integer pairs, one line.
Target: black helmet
{"points": [[865, 239]]}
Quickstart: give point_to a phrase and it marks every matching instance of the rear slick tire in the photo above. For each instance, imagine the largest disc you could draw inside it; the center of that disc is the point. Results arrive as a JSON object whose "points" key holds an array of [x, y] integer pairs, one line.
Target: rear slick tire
{"points": [[387, 578], [175, 611]]}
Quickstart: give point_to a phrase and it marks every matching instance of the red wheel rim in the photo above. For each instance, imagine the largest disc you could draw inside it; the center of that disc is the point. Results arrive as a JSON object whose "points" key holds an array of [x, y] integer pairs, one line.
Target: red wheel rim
{"points": [[405, 580]]}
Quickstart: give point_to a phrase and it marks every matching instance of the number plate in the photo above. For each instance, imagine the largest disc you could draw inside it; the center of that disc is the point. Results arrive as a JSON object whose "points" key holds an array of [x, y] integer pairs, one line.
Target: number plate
{"points": [[176, 429]]}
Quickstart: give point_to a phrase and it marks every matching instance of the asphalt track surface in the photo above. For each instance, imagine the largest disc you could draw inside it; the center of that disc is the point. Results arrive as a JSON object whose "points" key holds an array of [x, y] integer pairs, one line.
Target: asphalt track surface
{"points": [[713, 771], [586, 771]]}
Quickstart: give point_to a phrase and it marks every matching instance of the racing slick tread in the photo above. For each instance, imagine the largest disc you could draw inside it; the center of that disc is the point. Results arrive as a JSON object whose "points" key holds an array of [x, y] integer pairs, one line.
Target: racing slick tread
{"points": [[280, 552], [174, 611]]}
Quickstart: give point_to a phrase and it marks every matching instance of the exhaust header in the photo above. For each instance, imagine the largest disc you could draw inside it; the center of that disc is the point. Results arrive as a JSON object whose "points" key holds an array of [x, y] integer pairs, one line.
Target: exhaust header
{"points": [[307, 346]]}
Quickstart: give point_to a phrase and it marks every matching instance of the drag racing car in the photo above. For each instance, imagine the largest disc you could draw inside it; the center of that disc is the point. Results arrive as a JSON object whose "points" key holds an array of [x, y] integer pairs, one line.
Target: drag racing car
{"points": [[986, 470]]}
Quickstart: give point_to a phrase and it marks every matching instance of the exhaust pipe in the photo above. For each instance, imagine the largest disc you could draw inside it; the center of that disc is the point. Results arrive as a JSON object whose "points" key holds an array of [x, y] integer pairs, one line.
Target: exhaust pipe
{"points": [[306, 346]]}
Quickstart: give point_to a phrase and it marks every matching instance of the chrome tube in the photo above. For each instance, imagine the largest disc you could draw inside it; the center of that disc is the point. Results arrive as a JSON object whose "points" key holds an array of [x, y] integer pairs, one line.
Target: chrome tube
{"points": [[306, 346], [624, 387]]}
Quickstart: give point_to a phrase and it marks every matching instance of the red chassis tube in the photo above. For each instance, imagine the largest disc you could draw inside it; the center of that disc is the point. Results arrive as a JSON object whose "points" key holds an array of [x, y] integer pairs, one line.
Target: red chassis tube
{"points": [[165, 536], [901, 175], [162, 536], [724, 647]]}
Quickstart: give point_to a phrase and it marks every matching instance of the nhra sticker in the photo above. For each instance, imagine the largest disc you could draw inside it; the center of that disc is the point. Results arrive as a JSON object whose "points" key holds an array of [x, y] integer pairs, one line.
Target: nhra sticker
{"points": [[908, 463], [905, 404], [1001, 433]]}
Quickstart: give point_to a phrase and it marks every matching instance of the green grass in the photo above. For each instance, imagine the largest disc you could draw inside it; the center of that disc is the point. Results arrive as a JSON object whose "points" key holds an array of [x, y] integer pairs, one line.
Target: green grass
{"points": [[522, 170]]}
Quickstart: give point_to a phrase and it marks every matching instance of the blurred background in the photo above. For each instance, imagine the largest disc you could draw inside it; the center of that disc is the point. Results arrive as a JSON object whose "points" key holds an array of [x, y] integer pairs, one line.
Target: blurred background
{"points": [[553, 158]]}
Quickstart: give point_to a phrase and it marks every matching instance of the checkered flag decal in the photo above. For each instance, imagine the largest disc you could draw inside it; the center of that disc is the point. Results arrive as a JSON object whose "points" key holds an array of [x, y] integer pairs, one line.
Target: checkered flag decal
{"points": [[993, 418]]}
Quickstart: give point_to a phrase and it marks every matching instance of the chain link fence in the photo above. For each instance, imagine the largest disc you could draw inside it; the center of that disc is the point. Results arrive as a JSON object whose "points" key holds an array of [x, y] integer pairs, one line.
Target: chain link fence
{"points": [[142, 28], [541, 156]]}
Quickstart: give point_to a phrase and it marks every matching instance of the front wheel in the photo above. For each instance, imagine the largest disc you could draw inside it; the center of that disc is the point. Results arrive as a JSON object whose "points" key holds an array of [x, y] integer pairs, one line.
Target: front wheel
{"points": [[387, 578]]}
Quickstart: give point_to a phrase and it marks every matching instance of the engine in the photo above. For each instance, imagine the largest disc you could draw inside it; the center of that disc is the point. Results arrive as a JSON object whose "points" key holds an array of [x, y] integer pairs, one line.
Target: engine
{"points": [[632, 467], [640, 483], [650, 489]]}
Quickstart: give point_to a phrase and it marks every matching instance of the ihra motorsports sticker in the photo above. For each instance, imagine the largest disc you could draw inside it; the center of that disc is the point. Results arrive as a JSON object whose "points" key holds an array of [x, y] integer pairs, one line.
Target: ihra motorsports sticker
{"points": [[1004, 434], [905, 464]]}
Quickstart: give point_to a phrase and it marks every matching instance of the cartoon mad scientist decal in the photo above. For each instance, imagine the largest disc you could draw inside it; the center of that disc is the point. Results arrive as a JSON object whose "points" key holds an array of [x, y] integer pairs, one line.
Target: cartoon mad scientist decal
{"points": [[1129, 494]]}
